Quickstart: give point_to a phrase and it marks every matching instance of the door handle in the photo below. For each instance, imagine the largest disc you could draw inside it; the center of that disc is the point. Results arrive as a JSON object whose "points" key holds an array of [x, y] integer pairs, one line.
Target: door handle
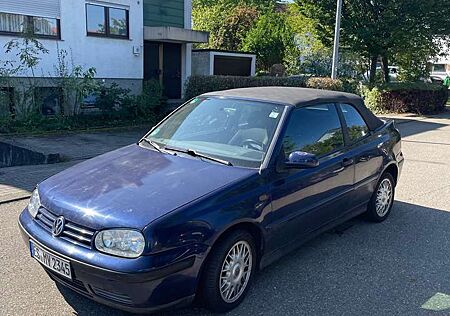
{"points": [[347, 162], [364, 158]]}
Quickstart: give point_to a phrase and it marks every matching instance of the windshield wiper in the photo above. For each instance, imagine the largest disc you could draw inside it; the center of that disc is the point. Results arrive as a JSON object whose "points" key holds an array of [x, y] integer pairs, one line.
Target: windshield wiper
{"points": [[153, 144], [194, 153]]}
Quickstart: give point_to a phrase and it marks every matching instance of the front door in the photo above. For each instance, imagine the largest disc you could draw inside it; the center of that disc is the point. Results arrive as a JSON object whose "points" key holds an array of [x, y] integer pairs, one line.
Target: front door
{"points": [[152, 67], [304, 200], [172, 70]]}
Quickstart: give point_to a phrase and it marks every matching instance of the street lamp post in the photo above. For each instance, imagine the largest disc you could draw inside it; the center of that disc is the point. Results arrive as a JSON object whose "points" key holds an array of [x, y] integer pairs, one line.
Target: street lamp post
{"points": [[336, 40]]}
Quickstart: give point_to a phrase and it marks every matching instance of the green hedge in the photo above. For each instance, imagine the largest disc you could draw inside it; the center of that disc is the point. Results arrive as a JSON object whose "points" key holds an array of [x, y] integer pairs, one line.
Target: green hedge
{"points": [[420, 98], [197, 85]]}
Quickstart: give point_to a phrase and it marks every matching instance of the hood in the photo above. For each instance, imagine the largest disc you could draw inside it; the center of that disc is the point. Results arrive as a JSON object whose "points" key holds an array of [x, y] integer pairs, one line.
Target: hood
{"points": [[132, 186]]}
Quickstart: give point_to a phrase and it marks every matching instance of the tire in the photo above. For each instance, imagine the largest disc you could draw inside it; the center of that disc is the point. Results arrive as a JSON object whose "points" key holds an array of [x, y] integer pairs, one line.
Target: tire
{"points": [[214, 277], [380, 205]]}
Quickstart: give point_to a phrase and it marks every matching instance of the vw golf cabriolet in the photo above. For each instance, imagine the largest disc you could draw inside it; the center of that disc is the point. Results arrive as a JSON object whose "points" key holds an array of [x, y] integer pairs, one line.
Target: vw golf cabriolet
{"points": [[222, 187]]}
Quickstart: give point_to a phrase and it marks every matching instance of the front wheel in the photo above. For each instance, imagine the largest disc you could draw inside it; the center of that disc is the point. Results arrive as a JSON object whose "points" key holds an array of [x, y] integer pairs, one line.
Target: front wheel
{"points": [[228, 272], [380, 204]]}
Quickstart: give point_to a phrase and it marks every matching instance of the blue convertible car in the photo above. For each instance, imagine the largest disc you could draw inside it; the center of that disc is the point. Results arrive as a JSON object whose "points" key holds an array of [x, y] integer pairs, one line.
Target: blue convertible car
{"points": [[220, 188]]}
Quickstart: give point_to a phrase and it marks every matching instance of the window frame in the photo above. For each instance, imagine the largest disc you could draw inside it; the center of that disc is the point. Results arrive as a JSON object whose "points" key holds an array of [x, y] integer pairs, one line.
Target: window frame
{"points": [[106, 22], [348, 141], [29, 25], [287, 121]]}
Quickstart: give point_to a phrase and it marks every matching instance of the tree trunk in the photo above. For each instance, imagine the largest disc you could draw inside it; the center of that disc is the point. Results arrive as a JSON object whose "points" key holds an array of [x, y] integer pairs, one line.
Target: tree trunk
{"points": [[373, 69], [385, 62]]}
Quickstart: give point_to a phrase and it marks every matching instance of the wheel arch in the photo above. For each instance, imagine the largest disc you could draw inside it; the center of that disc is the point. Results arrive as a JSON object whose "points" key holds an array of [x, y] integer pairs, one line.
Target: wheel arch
{"points": [[393, 170], [253, 228]]}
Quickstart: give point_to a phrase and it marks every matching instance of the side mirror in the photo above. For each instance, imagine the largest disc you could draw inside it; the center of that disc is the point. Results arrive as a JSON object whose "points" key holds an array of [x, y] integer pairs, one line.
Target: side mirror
{"points": [[301, 160]]}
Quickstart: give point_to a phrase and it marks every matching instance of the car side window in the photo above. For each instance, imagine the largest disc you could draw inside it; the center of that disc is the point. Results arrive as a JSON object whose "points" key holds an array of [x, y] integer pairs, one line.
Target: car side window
{"points": [[357, 127], [314, 129]]}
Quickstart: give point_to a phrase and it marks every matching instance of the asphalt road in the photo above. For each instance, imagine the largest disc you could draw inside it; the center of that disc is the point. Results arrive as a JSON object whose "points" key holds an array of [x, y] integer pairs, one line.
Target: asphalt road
{"points": [[399, 267]]}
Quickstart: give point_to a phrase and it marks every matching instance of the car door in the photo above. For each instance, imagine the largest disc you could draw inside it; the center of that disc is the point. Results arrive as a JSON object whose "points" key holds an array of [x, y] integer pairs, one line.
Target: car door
{"points": [[363, 147], [304, 200]]}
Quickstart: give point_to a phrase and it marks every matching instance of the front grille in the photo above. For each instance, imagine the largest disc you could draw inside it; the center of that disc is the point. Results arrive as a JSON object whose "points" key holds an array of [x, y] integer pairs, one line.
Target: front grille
{"points": [[72, 232]]}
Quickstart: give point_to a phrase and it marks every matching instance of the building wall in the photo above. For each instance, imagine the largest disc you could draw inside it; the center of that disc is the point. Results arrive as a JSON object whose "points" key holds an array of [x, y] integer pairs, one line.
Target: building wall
{"points": [[164, 13], [112, 58], [201, 63]]}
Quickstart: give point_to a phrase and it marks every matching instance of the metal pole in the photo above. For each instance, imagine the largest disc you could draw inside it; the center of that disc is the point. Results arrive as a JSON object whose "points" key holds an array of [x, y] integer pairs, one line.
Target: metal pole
{"points": [[336, 40]]}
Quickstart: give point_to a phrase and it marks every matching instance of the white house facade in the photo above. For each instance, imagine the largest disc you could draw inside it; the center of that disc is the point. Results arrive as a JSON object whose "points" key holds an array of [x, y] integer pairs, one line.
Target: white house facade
{"points": [[116, 37], [441, 64]]}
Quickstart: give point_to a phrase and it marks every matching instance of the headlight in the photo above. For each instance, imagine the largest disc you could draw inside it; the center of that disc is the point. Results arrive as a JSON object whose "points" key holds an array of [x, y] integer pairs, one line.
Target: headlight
{"points": [[120, 242], [35, 203]]}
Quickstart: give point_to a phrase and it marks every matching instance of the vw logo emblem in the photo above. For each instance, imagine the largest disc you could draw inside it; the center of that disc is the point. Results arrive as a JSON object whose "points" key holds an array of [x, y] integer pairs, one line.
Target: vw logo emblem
{"points": [[58, 226]]}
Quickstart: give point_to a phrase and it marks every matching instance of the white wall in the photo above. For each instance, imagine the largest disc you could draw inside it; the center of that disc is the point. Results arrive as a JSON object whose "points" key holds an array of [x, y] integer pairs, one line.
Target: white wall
{"points": [[112, 58]]}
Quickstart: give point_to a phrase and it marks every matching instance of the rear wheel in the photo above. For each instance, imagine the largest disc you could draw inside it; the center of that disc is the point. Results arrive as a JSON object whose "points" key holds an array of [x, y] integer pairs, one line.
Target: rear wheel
{"points": [[228, 272], [380, 204]]}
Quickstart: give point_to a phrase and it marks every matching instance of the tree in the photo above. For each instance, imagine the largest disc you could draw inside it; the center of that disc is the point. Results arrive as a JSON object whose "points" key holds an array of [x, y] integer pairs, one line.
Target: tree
{"points": [[234, 28], [262, 5], [382, 28], [270, 38], [307, 54], [227, 21]]}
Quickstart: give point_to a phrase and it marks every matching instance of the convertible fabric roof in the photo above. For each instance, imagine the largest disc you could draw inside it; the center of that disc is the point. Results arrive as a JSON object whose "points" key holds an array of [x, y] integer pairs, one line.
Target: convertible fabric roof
{"points": [[301, 97]]}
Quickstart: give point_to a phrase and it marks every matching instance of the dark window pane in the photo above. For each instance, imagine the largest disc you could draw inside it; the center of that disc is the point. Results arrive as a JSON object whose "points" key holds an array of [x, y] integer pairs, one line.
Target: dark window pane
{"points": [[118, 22], [439, 67], [357, 127], [12, 23], [45, 26], [95, 19], [315, 129]]}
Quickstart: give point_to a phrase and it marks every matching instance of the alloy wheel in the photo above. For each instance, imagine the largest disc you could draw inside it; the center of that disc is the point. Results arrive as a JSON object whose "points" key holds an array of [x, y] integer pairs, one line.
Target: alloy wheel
{"points": [[236, 271], [384, 197]]}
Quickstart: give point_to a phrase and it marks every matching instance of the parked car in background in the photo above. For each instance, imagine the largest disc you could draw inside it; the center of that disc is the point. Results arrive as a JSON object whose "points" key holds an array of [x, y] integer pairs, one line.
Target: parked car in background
{"points": [[440, 71], [393, 73], [222, 187]]}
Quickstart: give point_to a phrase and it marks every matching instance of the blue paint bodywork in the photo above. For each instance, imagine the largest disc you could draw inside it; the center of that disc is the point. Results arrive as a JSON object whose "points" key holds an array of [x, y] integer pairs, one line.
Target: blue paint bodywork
{"points": [[183, 205]]}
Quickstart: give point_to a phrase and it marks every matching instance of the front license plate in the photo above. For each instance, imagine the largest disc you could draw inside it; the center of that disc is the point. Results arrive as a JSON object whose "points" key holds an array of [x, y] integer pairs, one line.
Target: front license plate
{"points": [[51, 261]]}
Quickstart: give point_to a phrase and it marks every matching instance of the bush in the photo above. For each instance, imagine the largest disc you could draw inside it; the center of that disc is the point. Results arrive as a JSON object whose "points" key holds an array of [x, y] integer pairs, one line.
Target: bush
{"points": [[146, 105], [324, 83], [420, 98], [351, 86], [201, 84], [117, 108], [109, 99]]}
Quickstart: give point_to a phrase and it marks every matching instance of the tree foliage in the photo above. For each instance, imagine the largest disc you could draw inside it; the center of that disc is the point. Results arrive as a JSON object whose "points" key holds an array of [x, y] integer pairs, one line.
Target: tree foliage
{"points": [[227, 21], [383, 28], [388, 29], [232, 32], [269, 39]]}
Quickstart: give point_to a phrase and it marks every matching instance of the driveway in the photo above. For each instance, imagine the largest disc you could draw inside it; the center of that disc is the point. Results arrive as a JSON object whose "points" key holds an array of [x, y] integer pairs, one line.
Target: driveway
{"points": [[398, 267]]}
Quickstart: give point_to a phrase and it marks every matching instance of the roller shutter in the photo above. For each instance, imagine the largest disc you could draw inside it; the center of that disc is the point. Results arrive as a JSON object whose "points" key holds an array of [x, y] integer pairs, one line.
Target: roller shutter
{"points": [[43, 8]]}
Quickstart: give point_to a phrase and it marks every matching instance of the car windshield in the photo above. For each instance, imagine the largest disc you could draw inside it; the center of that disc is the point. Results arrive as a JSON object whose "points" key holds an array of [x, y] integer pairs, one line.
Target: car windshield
{"points": [[236, 131]]}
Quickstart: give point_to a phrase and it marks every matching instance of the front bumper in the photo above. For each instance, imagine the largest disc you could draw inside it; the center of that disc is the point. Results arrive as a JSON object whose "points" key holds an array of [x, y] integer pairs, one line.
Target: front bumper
{"points": [[144, 284]]}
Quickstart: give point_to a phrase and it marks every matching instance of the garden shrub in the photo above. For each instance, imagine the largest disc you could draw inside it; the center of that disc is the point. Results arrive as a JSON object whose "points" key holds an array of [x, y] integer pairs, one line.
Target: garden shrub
{"points": [[110, 98], [420, 98], [197, 85], [149, 104], [324, 83], [351, 85]]}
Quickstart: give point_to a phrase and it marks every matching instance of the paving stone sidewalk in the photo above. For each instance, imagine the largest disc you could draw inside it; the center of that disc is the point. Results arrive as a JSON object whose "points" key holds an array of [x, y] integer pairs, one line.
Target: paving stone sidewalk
{"points": [[80, 145], [17, 182]]}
